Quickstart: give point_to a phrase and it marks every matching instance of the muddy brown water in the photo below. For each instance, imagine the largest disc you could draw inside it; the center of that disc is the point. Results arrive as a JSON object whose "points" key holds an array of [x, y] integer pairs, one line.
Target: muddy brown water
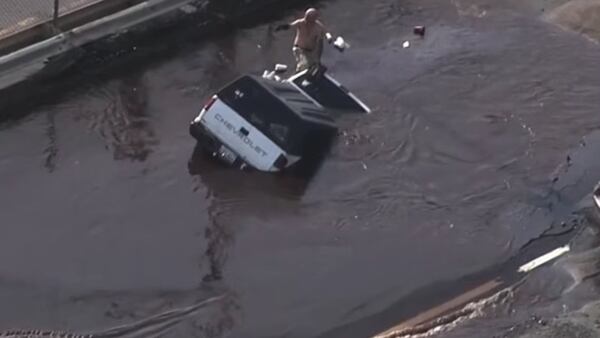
{"points": [[109, 217]]}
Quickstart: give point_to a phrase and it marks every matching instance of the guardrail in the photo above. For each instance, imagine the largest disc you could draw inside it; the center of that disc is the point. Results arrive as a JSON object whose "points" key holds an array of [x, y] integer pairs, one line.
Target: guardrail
{"points": [[26, 22]]}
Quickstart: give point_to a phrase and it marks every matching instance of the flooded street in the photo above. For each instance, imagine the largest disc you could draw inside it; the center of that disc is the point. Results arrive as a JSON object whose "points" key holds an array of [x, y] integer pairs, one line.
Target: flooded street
{"points": [[109, 216]]}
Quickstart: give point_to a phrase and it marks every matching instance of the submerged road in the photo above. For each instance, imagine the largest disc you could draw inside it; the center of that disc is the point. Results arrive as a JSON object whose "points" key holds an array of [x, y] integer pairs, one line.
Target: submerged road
{"points": [[109, 217]]}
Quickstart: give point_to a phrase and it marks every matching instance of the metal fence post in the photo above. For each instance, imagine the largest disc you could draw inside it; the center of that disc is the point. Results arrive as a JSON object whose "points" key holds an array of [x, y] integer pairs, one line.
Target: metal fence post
{"points": [[56, 5]]}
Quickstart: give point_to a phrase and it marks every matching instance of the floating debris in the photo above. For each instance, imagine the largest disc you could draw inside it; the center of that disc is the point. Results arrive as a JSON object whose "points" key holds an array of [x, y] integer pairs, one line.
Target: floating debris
{"points": [[419, 30]]}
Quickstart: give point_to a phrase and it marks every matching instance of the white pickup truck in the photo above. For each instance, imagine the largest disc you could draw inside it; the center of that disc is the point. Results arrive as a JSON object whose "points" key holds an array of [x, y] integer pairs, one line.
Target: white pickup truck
{"points": [[270, 124]]}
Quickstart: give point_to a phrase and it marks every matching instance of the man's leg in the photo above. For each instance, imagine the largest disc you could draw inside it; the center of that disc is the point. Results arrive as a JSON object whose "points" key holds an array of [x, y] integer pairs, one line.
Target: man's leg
{"points": [[301, 59], [319, 52], [314, 61], [315, 55]]}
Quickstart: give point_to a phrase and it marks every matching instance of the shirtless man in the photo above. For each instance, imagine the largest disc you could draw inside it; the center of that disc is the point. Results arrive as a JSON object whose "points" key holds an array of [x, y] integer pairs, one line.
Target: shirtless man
{"points": [[308, 44]]}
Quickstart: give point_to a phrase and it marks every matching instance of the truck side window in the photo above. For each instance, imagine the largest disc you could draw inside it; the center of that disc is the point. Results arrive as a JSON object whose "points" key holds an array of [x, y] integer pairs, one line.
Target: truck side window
{"points": [[256, 120], [279, 131]]}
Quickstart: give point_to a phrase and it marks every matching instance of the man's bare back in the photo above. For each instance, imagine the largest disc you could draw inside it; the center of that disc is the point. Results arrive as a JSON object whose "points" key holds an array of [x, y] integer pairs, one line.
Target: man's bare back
{"points": [[308, 34]]}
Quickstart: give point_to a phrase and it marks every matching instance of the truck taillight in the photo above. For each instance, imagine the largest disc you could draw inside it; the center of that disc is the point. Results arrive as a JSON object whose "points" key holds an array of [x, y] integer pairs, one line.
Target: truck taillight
{"points": [[281, 162], [210, 102]]}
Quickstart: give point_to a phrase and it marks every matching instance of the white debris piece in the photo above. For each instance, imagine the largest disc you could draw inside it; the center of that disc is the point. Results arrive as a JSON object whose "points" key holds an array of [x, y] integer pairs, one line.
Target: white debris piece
{"points": [[544, 259]]}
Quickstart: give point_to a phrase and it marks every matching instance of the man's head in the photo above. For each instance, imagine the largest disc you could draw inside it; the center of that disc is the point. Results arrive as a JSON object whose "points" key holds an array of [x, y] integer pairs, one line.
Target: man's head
{"points": [[311, 15]]}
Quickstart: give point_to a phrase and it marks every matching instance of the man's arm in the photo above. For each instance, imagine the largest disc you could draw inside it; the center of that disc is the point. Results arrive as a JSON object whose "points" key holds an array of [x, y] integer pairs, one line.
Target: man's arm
{"points": [[339, 44], [325, 31], [287, 26]]}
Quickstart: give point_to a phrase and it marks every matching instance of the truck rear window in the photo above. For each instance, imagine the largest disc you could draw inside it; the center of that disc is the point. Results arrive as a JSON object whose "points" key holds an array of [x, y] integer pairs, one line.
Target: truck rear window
{"points": [[264, 111]]}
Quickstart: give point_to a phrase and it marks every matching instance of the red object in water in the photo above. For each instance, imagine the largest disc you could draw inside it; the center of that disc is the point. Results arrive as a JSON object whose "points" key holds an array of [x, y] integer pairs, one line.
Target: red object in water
{"points": [[419, 30]]}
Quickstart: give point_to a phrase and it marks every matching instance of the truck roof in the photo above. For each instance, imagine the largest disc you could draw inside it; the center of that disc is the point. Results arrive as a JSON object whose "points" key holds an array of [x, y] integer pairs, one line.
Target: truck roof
{"points": [[281, 95]]}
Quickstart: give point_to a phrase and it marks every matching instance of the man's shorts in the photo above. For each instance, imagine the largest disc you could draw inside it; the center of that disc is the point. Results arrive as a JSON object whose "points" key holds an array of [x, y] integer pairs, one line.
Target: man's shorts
{"points": [[306, 58]]}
